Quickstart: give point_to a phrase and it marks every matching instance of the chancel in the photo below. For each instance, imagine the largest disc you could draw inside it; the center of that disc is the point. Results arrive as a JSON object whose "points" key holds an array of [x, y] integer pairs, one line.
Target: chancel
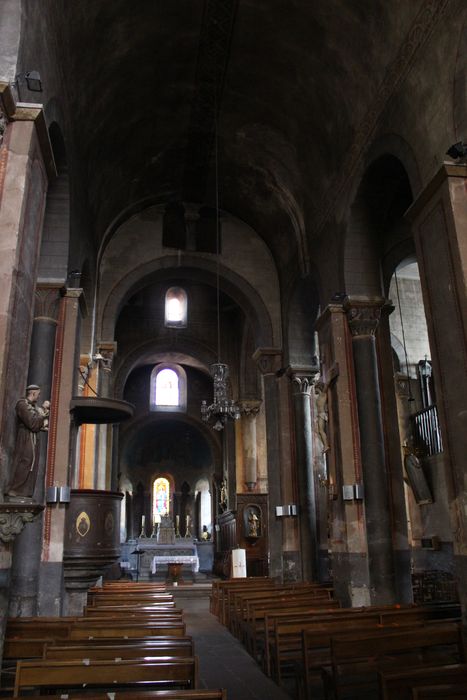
{"points": [[234, 265]]}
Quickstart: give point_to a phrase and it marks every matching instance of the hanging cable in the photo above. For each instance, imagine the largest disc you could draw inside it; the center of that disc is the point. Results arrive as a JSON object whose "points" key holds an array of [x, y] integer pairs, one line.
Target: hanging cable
{"points": [[411, 398], [216, 167]]}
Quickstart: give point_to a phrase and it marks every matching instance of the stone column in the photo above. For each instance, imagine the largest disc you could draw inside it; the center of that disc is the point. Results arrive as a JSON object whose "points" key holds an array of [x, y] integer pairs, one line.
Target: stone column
{"points": [[250, 410], [59, 459], [269, 362], [439, 221], [363, 316], [28, 545], [302, 380]]}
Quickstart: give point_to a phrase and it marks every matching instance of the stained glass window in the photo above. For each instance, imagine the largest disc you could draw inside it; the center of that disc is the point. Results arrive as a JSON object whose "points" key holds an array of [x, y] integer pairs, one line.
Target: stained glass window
{"points": [[161, 497]]}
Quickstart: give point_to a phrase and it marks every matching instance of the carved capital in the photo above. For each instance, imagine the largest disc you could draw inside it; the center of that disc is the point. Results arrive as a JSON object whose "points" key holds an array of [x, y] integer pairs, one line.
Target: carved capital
{"points": [[105, 354], [303, 378], [47, 301], [363, 315], [268, 360], [14, 516], [250, 408]]}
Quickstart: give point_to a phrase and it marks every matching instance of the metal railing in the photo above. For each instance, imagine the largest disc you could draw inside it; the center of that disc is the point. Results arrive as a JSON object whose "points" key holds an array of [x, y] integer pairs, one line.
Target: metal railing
{"points": [[426, 431]]}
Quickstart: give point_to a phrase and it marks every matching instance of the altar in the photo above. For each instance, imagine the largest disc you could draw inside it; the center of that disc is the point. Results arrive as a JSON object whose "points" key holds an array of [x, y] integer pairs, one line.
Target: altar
{"points": [[153, 559]]}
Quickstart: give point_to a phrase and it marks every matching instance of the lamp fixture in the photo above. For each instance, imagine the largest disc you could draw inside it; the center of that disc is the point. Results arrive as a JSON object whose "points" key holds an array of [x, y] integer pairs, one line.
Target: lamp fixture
{"points": [[32, 79], [457, 150], [222, 408]]}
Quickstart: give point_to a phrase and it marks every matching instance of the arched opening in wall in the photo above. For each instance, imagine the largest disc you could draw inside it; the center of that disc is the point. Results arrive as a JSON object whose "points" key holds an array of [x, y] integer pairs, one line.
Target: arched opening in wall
{"points": [[168, 388], [425, 487], [53, 262], [176, 308], [203, 510]]}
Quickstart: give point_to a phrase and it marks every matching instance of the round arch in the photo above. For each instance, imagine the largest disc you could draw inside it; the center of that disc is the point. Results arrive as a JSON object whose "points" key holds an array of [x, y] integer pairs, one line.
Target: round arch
{"points": [[197, 269]]}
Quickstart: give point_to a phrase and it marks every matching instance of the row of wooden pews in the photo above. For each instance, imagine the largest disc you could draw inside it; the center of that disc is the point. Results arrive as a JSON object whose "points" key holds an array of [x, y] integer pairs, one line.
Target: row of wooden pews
{"points": [[131, 642], [298, 633]]}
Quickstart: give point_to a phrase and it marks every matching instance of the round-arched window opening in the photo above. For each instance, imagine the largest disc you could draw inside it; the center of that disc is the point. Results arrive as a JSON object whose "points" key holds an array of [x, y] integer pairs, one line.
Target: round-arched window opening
{"points": [[176, 308], [168, 388]]}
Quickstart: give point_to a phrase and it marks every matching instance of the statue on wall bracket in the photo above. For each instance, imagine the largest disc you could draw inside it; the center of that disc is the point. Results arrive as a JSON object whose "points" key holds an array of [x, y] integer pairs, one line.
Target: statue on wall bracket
{"points": [[252, 521], [416, 476], [31, 420]]}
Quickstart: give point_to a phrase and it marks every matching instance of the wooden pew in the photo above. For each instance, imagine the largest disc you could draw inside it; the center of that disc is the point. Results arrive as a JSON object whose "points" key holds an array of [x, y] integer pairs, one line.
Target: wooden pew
{"points": [[129, 649], [86, 628], [357, 658], [457, 691], [126, 630], [218, 588], [252, 629], [236, 598], [283, 631], [130, 612], [242, 601], [125, 598], [48, 674], [398, 684], [39, 648], [182, 694]]}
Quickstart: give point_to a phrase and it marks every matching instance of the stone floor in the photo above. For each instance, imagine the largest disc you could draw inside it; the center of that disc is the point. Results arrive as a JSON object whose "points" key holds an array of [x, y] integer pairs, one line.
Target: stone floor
{"points": [[223, 661]]}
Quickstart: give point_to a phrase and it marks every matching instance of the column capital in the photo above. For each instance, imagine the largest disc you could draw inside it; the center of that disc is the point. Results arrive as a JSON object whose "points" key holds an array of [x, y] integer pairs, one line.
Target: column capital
{"points": [[15, 515], [269, 360], [47, 301], [250, 407], [363, 314], [106, 351], [304, 378]]}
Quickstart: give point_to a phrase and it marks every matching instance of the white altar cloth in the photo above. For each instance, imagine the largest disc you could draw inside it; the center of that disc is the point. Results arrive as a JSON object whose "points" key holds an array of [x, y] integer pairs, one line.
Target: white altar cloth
{"points": [[174, 559]]}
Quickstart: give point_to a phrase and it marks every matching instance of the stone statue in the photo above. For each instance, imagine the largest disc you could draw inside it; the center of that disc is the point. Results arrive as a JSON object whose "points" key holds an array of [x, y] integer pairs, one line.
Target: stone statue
{"points": [[321, 393], [223, 496], [31, 419], [416, 476], [253, 522]]}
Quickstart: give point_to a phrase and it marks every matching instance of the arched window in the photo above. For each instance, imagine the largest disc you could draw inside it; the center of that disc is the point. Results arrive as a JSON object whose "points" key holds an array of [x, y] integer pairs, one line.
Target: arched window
{"points": [[168, 388], [167, 392], [175, 308], [160, 498]]}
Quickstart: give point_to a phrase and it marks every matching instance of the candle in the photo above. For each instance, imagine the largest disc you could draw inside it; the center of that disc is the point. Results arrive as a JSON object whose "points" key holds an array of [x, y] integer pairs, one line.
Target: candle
{"points": [[143, 521], [187, 520]]}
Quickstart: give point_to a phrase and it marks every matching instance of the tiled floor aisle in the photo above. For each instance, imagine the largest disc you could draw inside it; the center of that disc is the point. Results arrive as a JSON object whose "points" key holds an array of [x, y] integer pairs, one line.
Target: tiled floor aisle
{"points": [[223, 662]]}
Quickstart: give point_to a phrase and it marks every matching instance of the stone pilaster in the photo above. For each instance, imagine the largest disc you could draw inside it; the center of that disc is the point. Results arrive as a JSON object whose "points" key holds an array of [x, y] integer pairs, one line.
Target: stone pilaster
{"points": [[363, 317], [393, 441], [439, 224], [348, 546], [269, 362], [61, 450], [26, 165], [250, 411]]}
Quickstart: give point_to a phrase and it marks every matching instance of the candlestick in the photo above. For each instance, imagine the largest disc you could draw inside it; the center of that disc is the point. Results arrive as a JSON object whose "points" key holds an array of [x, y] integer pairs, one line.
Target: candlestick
{"points": [[143, 526]]}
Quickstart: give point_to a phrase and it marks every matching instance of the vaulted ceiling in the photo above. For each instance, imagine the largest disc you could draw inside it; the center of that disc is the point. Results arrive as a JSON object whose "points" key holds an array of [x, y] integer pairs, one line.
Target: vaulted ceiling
{"points": [[292, 83]]}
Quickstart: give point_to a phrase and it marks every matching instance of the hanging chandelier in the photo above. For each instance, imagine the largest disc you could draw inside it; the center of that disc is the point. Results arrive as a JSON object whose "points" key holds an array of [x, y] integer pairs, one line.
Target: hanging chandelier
{"points": [[222, 408]]}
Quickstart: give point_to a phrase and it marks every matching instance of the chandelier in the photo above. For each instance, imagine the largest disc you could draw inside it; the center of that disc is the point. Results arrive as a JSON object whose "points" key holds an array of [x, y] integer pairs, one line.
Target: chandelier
{"points": [[222, 408]]}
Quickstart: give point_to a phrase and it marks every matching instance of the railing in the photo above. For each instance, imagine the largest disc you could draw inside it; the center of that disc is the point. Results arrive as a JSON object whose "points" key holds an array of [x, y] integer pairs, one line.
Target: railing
{"points": [[426, 432]]}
